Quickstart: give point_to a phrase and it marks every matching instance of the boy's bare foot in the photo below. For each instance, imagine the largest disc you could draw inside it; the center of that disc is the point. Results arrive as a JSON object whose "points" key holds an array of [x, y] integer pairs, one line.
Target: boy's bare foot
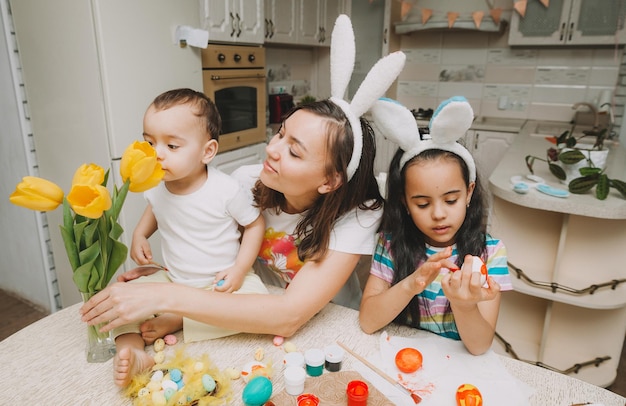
{"points": [[128, 362], [159, 327]]}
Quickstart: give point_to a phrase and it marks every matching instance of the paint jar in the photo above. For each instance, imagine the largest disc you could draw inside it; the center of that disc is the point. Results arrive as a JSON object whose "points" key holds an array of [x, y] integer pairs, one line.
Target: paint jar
{"points": [[314, 359], [294, 359], [308, 399], [357, 392], [334, 357], [294, 380]]}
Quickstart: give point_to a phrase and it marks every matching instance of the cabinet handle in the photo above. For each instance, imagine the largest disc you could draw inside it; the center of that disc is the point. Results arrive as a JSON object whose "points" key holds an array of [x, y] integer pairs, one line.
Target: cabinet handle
{"points": [[267, 28], [562, 33], [476, 141], [271, 28], [571, 32], [232, 24], [238, 25], [385, 36]]}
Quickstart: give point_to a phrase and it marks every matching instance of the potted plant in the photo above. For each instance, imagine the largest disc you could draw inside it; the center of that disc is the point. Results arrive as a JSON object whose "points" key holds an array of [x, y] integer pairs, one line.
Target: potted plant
{"points": [[587, 167]]}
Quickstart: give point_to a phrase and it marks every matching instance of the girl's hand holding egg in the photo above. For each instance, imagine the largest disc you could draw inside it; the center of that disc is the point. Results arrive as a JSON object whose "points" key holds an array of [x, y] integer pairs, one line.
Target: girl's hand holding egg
{"points": [[479, 266]]}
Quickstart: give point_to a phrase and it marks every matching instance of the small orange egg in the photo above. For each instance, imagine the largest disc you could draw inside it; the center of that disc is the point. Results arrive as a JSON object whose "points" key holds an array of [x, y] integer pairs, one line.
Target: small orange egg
{"points": [[408, 360], [468, 395]]}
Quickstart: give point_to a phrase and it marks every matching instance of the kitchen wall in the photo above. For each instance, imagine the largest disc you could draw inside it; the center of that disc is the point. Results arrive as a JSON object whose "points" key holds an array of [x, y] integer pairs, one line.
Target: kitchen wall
{"points": [[500, 81]]}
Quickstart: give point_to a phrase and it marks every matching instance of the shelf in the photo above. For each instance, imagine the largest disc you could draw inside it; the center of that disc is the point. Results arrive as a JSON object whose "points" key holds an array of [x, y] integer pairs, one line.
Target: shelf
{"points": [[561, 335]]}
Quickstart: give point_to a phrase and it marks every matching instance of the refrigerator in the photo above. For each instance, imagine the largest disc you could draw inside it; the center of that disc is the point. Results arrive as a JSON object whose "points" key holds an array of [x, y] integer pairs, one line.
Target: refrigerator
{"points": [[90, 70]]}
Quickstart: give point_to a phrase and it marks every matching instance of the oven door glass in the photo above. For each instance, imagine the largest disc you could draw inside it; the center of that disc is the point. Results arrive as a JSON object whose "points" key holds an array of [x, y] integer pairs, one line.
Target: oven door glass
{"points": [[238, 108]]}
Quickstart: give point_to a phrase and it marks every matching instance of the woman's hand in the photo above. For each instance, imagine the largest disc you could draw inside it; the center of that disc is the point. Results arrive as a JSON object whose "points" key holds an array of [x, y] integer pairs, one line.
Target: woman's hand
{"points": [[122, 303]]}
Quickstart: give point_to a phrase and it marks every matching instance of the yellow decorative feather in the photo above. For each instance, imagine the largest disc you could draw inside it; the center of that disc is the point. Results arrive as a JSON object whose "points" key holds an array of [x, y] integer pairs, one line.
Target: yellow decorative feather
{"points": [[193, 393]]}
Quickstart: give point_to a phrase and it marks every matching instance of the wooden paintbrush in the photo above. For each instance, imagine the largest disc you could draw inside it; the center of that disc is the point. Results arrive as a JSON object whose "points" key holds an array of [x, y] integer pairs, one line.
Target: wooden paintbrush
{"points": [[381, 373]]}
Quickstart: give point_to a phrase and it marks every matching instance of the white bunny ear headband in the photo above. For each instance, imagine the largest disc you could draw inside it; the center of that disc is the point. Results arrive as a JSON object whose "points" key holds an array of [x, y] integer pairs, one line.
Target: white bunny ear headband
{"points": [[450, 122], [376, 83]]}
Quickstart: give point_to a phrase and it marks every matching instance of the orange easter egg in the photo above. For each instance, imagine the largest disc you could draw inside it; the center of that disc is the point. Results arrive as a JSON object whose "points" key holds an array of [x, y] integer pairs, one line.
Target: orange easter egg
{"points": [[408, 360], [468, 395]]}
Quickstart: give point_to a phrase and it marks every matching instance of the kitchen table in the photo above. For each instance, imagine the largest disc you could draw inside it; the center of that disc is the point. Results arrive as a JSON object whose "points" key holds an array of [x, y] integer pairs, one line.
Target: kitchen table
{"points": [[45, 363]]}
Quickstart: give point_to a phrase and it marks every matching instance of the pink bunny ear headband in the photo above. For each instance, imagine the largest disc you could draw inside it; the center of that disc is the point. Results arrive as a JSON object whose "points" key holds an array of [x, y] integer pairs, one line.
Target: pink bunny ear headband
{"points": [[450, 121], [375, 84]]}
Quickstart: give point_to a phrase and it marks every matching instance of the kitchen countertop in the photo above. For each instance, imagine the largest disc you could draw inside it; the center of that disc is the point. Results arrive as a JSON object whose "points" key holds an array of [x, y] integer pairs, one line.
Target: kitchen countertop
{"points": [[513, 163], [512, 125]]}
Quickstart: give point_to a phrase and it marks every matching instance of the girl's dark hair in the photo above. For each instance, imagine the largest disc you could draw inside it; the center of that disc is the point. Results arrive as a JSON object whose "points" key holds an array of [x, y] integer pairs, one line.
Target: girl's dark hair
{"points": [[205, 108], [361, 191], [408, 244]]}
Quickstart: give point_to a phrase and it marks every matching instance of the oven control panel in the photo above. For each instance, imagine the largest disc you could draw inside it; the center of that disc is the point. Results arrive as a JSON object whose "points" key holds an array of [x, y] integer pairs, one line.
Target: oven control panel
{"points": [[217, 56]]}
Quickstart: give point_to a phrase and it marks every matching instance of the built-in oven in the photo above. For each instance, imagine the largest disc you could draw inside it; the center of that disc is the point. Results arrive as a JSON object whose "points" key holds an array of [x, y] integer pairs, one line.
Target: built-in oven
{"points": [[234, 78]]}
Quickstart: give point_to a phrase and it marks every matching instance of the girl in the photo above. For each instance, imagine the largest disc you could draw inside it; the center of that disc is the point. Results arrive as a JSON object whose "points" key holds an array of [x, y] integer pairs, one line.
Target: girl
{"points": [[432, 225]]}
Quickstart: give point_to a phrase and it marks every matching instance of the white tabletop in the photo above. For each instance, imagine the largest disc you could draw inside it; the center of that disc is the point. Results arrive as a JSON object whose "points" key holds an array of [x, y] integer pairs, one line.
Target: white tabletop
{"points": [[45, 363]]}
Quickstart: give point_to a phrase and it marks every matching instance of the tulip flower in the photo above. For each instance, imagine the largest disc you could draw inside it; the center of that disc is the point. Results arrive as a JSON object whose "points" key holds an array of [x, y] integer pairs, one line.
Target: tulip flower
{"points": [[140, 166], [91, 174], [37, 194], [89, 200]]}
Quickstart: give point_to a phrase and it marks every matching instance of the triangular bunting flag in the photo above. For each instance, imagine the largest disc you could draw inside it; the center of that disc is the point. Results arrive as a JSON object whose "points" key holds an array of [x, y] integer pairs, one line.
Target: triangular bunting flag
{"points": [[495, 14], [426, 14], [404, 11], [520, 7], [546, 3], [452, 16], [477, 16]]}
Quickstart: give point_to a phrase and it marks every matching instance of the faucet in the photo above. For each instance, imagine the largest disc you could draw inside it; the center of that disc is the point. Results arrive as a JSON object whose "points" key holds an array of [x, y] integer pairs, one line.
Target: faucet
{"points": [[592, 108]]}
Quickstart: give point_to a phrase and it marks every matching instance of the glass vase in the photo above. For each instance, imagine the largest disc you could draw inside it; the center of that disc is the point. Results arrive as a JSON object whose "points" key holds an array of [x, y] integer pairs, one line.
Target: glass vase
{"points": [[100, 346]]}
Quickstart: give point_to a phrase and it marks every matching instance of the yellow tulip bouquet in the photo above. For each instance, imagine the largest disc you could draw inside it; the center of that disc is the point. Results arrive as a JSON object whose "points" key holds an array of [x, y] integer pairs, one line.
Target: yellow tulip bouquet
{"points": [[90, 229]]}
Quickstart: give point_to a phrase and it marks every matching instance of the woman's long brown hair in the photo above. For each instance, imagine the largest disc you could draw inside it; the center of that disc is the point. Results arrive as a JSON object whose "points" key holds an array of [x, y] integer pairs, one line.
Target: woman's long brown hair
{"points": [[314, 230]]}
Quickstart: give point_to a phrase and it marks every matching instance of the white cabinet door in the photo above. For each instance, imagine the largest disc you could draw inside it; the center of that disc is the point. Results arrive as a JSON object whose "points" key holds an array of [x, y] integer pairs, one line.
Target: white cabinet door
{"points": [[570, 22], [488, 148], [240, 21], [280, 21], [309, 22]]}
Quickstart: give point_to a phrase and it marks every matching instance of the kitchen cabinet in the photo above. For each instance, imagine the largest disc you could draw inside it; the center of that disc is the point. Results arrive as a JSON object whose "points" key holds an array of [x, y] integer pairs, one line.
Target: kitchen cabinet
{"points": [[90, 71], [487, 148], [239, 21], [280, 21], [301, 22], [568, 307], [570, 22]]}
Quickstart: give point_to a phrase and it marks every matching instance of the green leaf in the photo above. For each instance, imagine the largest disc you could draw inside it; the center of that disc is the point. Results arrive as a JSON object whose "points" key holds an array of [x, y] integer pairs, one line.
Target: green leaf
{"points": [[619, 185], [557, 171], [586, 171], [119, 196], [602, 188], [70, 247], [563, 137], [583, 185], [571, 157], [570, 142], [82, 276]]}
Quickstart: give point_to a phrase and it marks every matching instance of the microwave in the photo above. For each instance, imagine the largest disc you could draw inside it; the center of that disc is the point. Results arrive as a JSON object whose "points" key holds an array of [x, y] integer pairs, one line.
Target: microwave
{"points": [[234, 78]]}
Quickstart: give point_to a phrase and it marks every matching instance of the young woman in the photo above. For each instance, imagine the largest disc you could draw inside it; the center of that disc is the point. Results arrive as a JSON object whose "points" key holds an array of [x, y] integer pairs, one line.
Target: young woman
{"points": [[320, 200], [431, 233]]}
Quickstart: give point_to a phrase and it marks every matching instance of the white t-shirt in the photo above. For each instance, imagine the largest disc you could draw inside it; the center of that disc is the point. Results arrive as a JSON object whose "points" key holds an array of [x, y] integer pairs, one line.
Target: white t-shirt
{"points": [[278, 263], [200, 235]]}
